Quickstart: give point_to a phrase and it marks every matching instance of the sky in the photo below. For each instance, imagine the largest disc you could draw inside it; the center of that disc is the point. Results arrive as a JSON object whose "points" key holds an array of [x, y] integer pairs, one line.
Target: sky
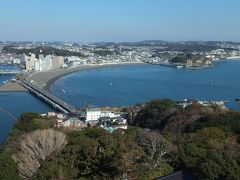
{"points": [[119, 20]]}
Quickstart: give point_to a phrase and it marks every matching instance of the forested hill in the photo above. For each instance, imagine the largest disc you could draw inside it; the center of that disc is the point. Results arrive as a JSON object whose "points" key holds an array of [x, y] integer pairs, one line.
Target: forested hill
{"points": [[41, 50], [164, 138]]}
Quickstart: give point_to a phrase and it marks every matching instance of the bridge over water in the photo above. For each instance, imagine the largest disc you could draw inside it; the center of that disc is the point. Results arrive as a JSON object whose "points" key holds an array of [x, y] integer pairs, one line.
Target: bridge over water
{"points": [[9, 72], [49, 98]]}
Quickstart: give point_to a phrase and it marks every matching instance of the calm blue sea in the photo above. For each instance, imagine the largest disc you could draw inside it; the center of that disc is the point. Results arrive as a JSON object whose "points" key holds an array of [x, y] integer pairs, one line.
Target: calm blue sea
{"points": [[127, 85], [16, 103]]}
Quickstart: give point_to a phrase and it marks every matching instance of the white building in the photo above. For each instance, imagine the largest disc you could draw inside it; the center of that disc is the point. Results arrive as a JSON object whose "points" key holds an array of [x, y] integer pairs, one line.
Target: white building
{"points": [[37, 65], [45, 64], [108, 114], [16, 61], [41, 64], [76, 61], [96, 113], [93, 114]]}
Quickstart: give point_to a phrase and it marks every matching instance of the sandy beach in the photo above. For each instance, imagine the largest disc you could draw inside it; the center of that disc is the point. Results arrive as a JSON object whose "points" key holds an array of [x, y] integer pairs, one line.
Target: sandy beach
{"points": [[45, 79], [12, 87]]}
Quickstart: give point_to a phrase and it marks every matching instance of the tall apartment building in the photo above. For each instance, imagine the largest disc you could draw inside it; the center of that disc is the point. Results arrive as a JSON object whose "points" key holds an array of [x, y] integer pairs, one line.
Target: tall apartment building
{"points": [[30, 62], [45, 63], [57, 62]]}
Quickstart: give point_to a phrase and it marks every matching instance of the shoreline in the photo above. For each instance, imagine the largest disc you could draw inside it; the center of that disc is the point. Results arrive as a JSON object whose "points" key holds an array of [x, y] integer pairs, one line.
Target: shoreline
{"points": [[45, 79], [12, 87]]}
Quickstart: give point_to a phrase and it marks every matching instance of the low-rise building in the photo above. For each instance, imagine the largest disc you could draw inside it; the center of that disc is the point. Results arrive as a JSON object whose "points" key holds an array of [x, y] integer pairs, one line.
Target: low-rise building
{"points": [[73, 122], [93, 114], [108, 114]]}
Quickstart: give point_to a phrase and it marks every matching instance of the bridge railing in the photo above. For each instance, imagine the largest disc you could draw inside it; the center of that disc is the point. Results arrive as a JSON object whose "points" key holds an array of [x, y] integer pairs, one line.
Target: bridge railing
{"points": [[49, 96]]}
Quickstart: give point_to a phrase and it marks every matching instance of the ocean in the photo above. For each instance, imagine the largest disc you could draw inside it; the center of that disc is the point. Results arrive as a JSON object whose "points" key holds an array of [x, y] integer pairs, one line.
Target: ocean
{"points": [[13, 104], [127, 85]]}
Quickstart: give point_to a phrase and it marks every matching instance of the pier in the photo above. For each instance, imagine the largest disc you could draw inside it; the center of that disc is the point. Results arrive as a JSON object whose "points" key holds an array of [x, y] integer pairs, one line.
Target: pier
{"points": [[49, 98]]}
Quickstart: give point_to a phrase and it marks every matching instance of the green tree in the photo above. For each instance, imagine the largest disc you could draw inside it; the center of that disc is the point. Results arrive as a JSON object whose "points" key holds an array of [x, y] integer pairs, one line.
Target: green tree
{"points": [[8, 168], [212, 154], [154, 113], [126, 154]]}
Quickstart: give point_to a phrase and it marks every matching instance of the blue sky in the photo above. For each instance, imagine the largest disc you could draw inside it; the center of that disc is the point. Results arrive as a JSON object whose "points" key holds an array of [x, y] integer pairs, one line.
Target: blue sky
{"points": [[119, 20]]}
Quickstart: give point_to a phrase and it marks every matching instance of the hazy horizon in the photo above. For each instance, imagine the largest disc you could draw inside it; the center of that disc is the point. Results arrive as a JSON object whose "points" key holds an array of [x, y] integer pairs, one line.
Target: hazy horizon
{"points": [[119, 21], [69, 41]]}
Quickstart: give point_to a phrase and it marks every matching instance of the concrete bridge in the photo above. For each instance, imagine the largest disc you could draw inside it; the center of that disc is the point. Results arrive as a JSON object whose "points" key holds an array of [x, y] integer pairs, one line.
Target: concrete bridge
{"points": [[9, 72], [49, 98]]}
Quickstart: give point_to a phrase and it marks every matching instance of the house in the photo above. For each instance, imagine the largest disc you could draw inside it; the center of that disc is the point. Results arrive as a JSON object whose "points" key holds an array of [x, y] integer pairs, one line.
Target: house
{"points": [[79, 123], [56, 115], [59, 123], [74, 122]]}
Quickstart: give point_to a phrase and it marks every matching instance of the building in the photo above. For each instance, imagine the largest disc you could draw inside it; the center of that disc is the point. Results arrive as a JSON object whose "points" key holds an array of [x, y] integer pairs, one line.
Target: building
{"points": [[57, 62], [73, 122], [93, 114], [37, 65], [41, 56], [40, 64], [16, 61], [45, 64], [108, 114], [30, 62]]}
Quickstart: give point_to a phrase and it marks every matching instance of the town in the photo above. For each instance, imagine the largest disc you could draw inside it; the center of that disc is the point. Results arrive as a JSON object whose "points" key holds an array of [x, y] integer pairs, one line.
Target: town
{"points": [[108, 120], [39, 56], [114, 118], [32, 57]]}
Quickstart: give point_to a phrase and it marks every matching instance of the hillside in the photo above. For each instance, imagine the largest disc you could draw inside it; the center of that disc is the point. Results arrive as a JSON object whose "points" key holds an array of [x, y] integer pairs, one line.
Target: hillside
{"points": [[164, 138]]}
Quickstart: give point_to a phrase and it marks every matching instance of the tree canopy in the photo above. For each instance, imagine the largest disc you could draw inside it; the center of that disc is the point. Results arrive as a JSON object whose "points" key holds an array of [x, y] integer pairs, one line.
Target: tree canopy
{"points": [[162, 138]]}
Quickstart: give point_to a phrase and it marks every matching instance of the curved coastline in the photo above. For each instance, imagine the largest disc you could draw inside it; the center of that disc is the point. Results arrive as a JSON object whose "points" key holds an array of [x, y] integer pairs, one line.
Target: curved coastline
{"points": [[45, 79]]}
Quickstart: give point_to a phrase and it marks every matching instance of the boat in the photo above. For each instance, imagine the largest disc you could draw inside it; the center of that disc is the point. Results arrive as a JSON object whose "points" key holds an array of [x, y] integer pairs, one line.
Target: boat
{"points": [[237, 99], [179, 66], [63, 91]]}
